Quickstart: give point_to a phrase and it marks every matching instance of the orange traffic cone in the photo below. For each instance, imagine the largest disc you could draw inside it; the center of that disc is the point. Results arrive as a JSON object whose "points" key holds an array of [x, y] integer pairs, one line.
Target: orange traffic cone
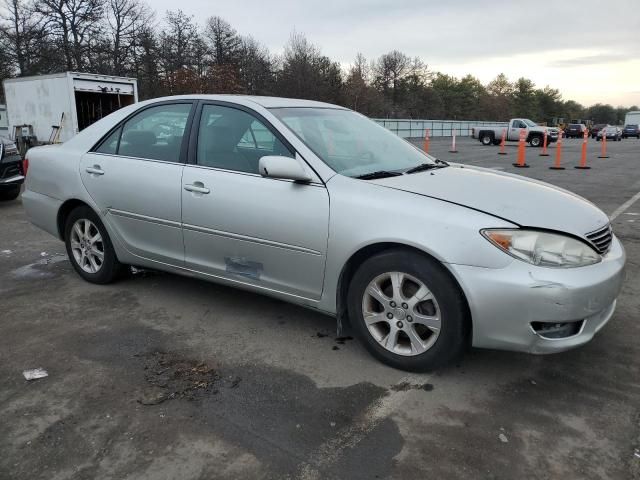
{"points": [[544, 152], [502, 142], [521, 153], [583, 158], [603, 151], [453, 142], [427, 141], [557, 166]]}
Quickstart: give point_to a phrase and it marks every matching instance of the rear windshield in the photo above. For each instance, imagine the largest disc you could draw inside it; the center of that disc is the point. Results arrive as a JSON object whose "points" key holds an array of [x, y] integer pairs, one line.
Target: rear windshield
{"points": [[575, 125], [631, 126]]}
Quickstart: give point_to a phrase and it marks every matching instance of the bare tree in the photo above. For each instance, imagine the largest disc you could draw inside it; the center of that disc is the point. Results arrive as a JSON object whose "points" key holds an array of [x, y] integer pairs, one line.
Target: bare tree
{"points": [[224, 42], [176, 51], [25, 40], [255, 67], [72, 22], [125, 18]]}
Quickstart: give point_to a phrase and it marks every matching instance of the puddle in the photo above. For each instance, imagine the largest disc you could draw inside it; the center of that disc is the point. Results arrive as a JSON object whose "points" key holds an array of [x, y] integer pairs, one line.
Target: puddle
{"points": [[38, 269]]}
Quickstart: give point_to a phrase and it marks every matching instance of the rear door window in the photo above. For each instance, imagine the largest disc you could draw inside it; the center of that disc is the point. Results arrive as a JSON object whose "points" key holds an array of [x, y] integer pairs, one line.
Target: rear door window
{"points": [[155, 133]]}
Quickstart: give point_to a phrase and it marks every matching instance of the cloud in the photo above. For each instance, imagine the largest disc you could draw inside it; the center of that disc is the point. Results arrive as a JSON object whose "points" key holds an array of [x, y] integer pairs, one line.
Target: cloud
{"points": [[589, 60]]}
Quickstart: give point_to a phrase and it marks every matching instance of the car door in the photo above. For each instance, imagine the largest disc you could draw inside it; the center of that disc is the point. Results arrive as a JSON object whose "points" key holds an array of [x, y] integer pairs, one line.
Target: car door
{"points": [[134, 177], [516, 128], [240, 226]]}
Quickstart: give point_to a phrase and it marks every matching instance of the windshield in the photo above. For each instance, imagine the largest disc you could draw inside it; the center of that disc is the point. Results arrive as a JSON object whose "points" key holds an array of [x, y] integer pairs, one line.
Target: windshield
{"points": [[350, 143], [530, 123]]}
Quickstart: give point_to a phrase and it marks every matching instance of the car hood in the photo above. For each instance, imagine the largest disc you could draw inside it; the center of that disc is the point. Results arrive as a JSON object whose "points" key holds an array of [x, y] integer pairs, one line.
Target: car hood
{"points": [[525, 202]]}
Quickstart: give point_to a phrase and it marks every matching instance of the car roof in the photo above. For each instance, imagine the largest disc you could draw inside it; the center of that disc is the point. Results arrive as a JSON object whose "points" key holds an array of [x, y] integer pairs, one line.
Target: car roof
{"points": [[266, 102]]}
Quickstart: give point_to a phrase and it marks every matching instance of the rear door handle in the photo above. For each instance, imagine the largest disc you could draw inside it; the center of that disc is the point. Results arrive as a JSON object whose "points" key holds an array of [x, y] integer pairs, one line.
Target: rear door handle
{"points": [[95, 170], [197, 187]]}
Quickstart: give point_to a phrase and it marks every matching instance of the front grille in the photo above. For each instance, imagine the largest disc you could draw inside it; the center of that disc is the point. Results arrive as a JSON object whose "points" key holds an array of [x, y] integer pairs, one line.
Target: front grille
{"points": [[601, 239]]}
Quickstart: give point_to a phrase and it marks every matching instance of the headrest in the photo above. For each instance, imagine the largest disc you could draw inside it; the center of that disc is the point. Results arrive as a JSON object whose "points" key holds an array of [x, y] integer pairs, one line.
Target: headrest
{"points": [[139, 138]]}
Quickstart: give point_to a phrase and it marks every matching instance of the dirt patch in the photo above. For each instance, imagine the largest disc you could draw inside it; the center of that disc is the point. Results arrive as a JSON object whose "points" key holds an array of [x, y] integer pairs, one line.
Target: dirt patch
{"points": [[170, 376], [405, 386]]}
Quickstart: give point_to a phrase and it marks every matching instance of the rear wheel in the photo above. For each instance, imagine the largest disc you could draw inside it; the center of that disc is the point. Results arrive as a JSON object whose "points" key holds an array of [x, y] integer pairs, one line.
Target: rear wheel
{"points": [[407, 311], [486, 138], [89, 247], [10, 193]]}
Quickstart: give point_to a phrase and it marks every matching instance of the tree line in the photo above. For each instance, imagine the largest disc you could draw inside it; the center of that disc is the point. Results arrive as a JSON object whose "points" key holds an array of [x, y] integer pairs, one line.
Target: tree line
{"points": [[177, 55]]}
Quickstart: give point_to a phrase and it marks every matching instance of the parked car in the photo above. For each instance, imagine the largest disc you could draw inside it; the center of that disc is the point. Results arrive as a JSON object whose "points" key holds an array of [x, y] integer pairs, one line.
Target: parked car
{"points": [[11, 175], [534, 133], [612, 132], [333, 212], [575, 130], [631, 131], [596, 128]]}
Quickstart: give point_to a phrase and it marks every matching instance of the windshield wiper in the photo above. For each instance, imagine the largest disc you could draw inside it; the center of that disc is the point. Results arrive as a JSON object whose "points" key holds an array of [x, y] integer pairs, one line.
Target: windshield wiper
{"points": [[428, 166], [378, 174]]}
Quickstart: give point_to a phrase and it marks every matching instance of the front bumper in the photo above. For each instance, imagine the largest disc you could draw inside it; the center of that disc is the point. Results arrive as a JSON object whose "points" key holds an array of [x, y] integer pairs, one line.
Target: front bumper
{"points": [[12, 181], [504, 303]]}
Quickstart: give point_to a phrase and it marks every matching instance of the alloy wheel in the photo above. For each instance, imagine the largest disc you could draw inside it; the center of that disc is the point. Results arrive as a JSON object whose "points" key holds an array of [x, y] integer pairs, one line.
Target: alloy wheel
{"points": [[87, 245], [401, 313]]}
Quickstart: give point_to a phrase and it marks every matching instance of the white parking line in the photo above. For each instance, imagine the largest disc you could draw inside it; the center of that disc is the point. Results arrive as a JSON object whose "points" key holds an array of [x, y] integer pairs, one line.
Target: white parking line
{"points": [[330, 451], [620, 210]]}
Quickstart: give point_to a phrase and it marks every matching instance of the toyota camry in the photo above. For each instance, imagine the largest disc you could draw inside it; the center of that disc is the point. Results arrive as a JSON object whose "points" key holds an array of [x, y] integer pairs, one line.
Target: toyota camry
{"points": [[318, 205]]}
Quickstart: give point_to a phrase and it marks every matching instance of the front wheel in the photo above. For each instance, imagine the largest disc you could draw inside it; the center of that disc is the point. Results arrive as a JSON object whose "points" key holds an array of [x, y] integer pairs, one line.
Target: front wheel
{"points": [[408, 311], [89, 247], [535, 141]]}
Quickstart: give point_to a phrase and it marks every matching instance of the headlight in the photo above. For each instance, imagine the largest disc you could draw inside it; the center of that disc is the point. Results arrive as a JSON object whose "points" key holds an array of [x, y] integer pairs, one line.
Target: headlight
{"points": [[542, 248]]}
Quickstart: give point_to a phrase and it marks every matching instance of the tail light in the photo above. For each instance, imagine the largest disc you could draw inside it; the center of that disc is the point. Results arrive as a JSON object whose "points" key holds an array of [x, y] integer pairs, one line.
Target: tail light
{"points": [[25, 166]]}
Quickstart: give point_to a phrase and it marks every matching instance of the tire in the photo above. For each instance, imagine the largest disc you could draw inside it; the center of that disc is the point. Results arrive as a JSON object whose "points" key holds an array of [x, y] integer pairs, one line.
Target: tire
{"points": [[496, 142], [7, 194], [486, 139], [535, 141], [100, 271], [437, 346]]}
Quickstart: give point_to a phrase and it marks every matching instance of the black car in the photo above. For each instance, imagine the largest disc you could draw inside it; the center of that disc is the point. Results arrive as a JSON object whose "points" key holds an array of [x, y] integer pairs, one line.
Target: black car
{"points": [[631, 131], [596, 128], [575, 130], [11, 173]]}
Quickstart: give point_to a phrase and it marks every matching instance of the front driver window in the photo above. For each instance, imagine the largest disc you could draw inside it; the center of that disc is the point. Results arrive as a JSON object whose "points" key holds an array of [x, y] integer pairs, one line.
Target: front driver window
{"points": [[233, 139]]}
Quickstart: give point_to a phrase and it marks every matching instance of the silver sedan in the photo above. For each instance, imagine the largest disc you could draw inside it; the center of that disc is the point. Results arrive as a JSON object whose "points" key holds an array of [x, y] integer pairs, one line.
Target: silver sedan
{"points": [[319, 206]]}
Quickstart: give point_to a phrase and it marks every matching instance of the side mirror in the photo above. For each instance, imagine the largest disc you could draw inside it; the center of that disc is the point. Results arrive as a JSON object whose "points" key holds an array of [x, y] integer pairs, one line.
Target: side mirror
{"points": [[275, 166]]}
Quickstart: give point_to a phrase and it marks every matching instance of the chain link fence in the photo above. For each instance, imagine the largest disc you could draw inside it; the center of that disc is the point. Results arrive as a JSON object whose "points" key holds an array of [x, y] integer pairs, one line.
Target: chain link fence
{"points": [[437, 128]]}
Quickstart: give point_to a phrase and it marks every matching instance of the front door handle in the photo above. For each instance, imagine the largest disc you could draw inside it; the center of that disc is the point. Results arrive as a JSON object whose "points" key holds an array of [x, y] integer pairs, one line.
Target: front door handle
{"points": [[95, 170], [197, 187]]}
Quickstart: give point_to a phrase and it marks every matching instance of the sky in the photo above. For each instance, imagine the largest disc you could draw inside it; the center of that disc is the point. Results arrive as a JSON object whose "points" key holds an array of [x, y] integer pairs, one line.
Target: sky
{"points": [[588, 49]]}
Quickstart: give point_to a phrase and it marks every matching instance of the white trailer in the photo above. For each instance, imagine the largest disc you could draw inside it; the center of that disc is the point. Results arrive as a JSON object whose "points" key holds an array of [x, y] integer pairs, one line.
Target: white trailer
{"points": [[632, 118], [83, 98]]}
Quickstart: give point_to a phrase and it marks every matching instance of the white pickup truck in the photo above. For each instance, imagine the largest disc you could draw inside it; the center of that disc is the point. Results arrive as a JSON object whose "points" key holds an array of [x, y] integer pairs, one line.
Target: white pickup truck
{"points": [[535, 133]]}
